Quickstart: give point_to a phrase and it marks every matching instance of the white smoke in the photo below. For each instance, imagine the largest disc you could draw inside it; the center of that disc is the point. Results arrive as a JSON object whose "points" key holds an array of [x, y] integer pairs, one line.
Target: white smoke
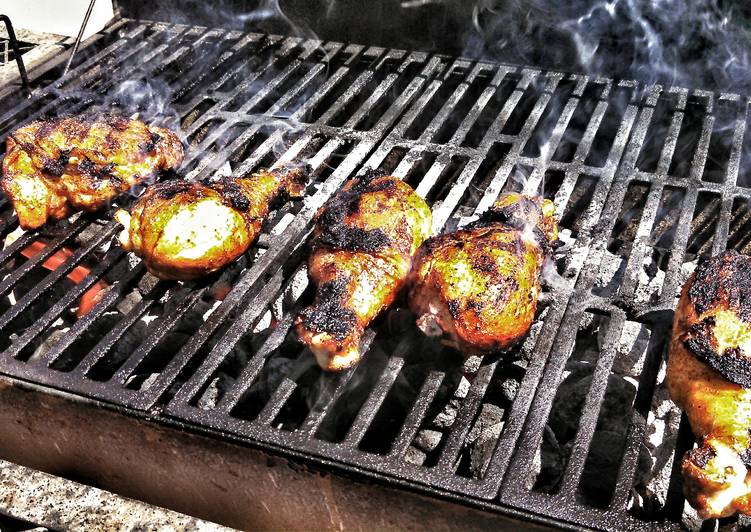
{"points": [[693, 43]]}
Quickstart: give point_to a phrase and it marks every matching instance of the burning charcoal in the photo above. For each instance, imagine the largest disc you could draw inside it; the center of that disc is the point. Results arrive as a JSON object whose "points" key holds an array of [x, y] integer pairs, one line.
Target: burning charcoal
{"points": [[49, 341], [462, 389], [415, 456], [264, 323], [296, 287], [503, 388], [41, 305], [509, 389], [472, 364], [147, 283], [601, 470], [447, 416], [483, 436], [210, 397], [612, 268], [141, 381], [654, 476], [489, 419], [127, 303], [632, 347], [133, 260], [427, 440], [550, 462], [89, 233]]}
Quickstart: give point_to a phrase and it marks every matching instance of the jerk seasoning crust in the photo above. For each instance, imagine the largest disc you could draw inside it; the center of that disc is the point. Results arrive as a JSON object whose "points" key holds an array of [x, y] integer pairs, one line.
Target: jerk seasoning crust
{"points": [[478, 287], [361, 253], [184, 230], [53, 168], [708, 377]]}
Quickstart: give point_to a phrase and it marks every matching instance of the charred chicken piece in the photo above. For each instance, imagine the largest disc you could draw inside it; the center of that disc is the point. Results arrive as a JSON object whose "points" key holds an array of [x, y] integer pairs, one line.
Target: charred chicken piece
{"points": [[53, 168], [362, 249], [184, 230], [709, 377], [478, 287]]}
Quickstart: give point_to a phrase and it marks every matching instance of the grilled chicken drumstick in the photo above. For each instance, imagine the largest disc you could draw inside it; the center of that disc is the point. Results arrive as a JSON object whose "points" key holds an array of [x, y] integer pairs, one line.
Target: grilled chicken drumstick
{"points": [[362, 249], [709, 377], [479, 286], [53, 168], [184, 229]]}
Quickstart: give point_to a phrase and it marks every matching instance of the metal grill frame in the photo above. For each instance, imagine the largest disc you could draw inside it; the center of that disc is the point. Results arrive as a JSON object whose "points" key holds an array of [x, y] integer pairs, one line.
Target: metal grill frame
{"points": [[502, 487]]}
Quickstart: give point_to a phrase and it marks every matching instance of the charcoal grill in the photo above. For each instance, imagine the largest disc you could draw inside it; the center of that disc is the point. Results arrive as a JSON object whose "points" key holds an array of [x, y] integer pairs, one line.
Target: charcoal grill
{"points": [[645, 180]]}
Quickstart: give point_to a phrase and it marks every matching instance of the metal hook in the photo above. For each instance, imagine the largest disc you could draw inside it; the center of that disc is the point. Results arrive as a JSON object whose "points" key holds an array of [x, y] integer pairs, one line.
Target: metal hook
{"points": [[79, 37], [17, 53]]}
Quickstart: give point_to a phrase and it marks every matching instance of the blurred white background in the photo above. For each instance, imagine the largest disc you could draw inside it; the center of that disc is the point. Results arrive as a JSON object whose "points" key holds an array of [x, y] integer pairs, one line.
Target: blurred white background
{"points": [[62, 17]]}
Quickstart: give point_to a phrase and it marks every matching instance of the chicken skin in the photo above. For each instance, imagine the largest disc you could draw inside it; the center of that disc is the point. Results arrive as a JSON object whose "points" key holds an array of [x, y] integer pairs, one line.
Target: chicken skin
{"points": [[478, 287], [53, 168], [362, 249], [709, 377], [184, 230]]}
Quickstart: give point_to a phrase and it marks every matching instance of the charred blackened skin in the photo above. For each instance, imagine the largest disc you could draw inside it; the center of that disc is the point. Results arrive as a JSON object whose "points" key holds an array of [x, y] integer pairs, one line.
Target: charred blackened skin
{"points": [[335, 233], [328, 315], [732, 364], [53, 167], [485, 263], [231, 194], [169, 189], [509, 285], [701, 456], [518, 216], [89, 168], [148, 147], [727, 276], [454, 308]]}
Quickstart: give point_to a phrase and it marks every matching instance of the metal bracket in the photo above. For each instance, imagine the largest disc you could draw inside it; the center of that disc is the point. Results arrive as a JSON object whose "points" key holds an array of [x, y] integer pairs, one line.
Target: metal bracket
{"points": [[17, 53]]}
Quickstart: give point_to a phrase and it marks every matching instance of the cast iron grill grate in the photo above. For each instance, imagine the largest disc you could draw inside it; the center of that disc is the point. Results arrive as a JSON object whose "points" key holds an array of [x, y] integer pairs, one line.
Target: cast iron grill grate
{"points": [[645, 179]]}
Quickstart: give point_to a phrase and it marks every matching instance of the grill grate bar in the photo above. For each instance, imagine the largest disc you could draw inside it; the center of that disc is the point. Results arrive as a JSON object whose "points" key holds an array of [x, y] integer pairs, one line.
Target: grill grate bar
{"points": [[117, 332], [277, 81], [469, 121], [334, 388], [75, 74], [20, 243], [236, 295], [312, 204], [12, 280], [71, 263], [448, 107], [220, 70], [296, 90], [52, 105], [368, 105], [495, 186], [465, 416], [416, 414], [376, 397], [731, 177], [65, 302], [277, 401], [641, 240], [83, 324], [456, 130], [250, 371], [240, 325], [549, 148], [156, 334], [591, 410]]}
